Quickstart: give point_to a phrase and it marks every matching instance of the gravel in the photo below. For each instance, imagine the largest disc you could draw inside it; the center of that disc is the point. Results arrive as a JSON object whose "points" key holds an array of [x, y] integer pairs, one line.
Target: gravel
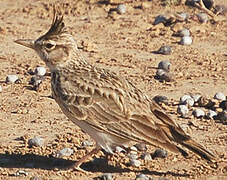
{"points": [[142, 177], [160, 153], [165, 65], [106, 176], [36, 178], [12, 78], [36, 141], [196, 97], [160, 99], [211, 114], [165, 50], [198, 113], [87, 143], [147, 157], [220, 96], [184, 32], [203, 17], [121, 9], [65, 152], [134, 162], [186, 40], [223, 105], [40, 71], [182, 110]]}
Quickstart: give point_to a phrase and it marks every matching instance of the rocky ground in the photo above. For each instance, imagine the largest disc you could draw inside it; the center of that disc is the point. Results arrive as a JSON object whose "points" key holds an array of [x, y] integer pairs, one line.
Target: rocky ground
{"points": [[125, 43]]}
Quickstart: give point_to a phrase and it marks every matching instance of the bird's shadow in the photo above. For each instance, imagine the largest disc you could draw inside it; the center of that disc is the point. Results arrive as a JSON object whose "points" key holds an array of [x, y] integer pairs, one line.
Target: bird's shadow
{"points": [[33, 161]]}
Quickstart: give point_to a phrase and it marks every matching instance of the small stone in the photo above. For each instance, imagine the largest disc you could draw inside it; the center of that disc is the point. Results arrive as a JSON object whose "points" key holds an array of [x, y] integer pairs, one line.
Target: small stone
{"points": [[182, 16], [186, 40], [198, 113], [141, 146], [121, 9], [106, 176], [184, 33], [160, 99], [36, 178], [133, 148], [87, 143], [196, 97], [165, 65], [222, 116], [211, 114], [36, 81], [142, 177], [165, 50], [36, 141], [163, 75], [120, 149], [187, 100], [220, 96], [12, 78], [132, 155], [203, 17], [160, 19], [20, 173], [65, 152], [223, 105], [0, 88], [40, 71], [147, 157], [160, 153], [182, 110], [135, 162]]}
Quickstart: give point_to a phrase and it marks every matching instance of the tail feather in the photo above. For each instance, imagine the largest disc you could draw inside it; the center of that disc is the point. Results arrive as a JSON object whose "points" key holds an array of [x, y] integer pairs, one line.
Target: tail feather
{"points": [[198, 149]]}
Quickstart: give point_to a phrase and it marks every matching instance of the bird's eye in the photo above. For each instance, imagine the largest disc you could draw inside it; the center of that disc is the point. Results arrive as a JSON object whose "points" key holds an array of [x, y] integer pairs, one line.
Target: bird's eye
{"points": [[49, 46]]}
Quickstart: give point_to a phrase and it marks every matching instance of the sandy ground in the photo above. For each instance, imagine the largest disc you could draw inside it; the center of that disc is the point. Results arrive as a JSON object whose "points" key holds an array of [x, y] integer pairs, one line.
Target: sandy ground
{"points": [[123, 43]]}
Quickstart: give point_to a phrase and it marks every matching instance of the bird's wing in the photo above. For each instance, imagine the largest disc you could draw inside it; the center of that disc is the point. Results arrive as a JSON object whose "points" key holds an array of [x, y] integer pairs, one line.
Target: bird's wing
{"points": [[112, 104]]}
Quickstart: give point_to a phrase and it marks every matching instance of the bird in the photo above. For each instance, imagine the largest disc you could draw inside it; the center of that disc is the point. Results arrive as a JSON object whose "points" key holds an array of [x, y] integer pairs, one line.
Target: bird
{"points": [[106, 106]]}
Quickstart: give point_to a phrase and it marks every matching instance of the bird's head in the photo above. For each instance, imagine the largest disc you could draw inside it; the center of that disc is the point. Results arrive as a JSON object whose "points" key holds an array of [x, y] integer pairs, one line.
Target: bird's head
{"points": [[56, 46]]}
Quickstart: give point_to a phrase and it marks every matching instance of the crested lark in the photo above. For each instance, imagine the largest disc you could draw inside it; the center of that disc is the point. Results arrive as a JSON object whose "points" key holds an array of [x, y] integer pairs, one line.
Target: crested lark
{"points": [[104, 105]]}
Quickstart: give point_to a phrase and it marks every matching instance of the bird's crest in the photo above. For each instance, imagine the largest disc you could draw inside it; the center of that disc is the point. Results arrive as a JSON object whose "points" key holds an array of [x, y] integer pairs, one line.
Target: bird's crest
{"points": [[58, 25]]}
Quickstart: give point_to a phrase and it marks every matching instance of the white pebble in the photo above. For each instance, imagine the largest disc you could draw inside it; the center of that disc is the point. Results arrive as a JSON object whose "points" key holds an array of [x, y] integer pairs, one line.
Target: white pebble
{"points": [[0, 88], [87, 143], [186, 40], [11, 78], [198, 113], [119, 149], [21, 173], [184, 98], [196, 97], [65, 152], [220, 96], [133, 148], [203, 17], [184, 33], [132, 155], [40, 71], [135, 162], [142, 177], [107, 176], [121, 9], [211, 114], [165, 65], [147, 157], [36, 141], [184, 16], [182, 110]]}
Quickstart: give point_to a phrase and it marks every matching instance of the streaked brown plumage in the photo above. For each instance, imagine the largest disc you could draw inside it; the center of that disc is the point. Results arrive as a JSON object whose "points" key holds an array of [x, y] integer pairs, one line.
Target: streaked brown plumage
{"points": [[103, 104]]}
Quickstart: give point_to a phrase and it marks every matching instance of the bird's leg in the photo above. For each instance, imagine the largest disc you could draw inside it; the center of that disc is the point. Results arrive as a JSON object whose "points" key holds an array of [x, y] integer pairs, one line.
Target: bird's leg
{"points": [[202, 7], [77, 165]]}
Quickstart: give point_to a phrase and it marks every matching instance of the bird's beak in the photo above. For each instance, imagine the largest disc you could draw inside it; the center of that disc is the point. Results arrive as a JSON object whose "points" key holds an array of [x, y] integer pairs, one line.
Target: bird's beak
{"points": [[26, 42]]}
